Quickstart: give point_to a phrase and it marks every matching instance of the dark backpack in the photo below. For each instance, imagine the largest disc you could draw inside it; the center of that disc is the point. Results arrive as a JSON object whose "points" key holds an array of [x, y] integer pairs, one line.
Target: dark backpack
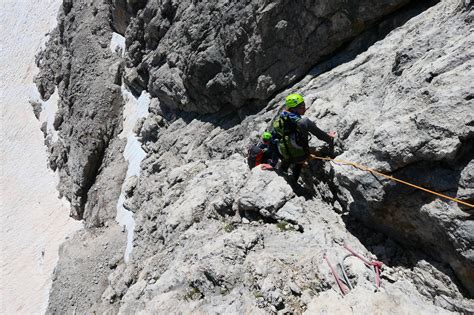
{"points": [[255, 155]]}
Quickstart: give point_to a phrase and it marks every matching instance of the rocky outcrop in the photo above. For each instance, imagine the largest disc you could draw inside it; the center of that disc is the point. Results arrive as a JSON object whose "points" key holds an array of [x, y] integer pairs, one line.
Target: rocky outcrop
{"points": [[211, 235], [87, 76], [405, 108], [223, 251], [84, 264], [204, 243], [100, 206], [208, 56], [78, 62]]}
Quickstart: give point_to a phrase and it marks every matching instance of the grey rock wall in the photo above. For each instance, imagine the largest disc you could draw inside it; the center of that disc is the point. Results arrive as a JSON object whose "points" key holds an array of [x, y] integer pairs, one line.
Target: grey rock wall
{"points": [[206, 56], [180, 52], [84, 265], [405, 108], [212, 236], [78, 62]]}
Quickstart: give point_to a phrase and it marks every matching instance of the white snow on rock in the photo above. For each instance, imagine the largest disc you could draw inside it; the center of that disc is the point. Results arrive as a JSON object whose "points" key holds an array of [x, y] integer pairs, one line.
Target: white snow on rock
{"points": [[33, 220], [48, 111], [117, 44], [135, 108], [134, 154]]}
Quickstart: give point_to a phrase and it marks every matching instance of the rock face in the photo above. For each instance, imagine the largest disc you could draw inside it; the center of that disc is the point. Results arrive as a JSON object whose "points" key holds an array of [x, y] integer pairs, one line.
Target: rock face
{"points": [[405, 108], [212, 236], [85, 262], [78, 61], [207, 56]]}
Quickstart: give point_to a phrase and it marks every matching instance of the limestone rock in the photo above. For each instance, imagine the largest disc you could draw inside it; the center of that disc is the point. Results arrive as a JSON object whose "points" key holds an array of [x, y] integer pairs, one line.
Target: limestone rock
{"points": [[264, 192], [409, 123], [85, 72], [101, 205], [203, 56], [290, 212], [466, 183], [212, 236], [83, 268]]}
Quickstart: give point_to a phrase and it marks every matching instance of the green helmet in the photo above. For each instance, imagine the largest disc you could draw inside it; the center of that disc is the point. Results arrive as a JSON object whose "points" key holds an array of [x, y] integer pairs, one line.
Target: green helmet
{"points": [[293, 100], [266, 136]]}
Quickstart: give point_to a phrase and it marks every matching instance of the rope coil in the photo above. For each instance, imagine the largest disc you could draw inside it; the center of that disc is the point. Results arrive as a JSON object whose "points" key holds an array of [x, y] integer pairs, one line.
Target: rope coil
{"points": [[367, 169]]}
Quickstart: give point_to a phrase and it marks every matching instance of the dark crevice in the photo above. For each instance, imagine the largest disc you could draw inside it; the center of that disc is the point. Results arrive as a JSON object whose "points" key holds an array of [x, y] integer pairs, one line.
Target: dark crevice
{"points": [[256, 216], [215, 282], [402, 210], [91, 172], [393, 253], [431, 77]]}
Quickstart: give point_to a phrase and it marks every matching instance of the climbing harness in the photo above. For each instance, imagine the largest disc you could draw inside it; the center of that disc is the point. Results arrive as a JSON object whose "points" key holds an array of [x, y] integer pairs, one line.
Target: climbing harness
{"points": [[346, 286], [364, 168]]}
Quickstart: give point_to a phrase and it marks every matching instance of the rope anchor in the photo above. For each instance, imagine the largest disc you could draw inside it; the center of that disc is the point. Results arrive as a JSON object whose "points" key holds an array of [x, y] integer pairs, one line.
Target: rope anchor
{"points": [[345, 286]]}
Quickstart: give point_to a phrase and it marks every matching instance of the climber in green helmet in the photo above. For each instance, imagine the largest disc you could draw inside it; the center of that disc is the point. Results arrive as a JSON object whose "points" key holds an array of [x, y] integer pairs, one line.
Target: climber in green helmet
{"points": [[292, 132], [263, 153], [266, 136]]}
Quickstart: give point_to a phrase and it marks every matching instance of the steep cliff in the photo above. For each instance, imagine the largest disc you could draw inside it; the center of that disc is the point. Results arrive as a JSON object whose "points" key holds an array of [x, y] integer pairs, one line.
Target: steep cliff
{"points": [[212, 236], [79, 63], [206, 56]]}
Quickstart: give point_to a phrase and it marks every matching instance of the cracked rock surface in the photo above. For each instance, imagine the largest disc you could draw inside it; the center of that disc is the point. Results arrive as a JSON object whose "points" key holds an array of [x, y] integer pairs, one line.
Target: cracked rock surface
{"points": [[399, 115], [212, 236], [205, 56], [78, 62]]}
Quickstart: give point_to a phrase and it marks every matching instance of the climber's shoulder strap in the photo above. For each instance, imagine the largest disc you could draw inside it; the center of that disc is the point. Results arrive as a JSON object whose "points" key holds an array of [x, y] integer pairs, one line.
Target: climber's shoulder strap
{"points": [[285, 125]]}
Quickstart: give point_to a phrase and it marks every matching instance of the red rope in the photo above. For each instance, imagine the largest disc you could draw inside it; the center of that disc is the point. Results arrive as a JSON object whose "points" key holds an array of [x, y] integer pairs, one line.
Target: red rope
{"points": [[375, 263], [338, 281]]}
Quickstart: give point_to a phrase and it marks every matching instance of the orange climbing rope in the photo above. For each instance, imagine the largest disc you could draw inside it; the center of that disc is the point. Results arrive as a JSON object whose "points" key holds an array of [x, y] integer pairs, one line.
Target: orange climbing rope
{"points": [[364, 168]]}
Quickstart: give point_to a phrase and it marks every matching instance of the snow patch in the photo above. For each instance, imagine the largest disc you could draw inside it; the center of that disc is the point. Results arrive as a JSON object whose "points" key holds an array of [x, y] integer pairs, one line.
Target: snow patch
{"points": [[34, 221], [134, 110], [48, 112], [117, 44]]}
